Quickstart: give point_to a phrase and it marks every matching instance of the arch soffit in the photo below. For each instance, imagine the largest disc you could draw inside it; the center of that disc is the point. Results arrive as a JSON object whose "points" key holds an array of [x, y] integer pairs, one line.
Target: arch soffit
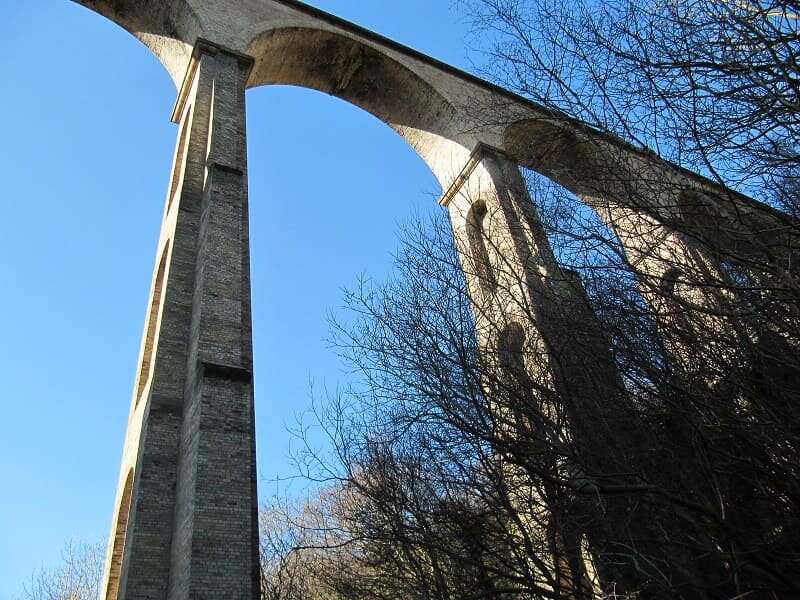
{"points": [[362, 75], [161, 26], [351, 70], [555, 150]]}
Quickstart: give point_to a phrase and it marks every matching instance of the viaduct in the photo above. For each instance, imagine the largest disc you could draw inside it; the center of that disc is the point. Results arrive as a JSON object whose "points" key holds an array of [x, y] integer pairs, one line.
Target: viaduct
{"points": [[185, 522]]}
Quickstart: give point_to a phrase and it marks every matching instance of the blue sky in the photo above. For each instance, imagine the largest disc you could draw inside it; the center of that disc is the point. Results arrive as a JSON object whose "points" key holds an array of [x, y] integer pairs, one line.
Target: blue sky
{"points": [[85, 156]]}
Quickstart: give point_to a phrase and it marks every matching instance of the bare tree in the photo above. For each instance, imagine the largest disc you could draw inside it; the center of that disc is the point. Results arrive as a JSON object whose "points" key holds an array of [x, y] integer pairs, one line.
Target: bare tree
{"points": [[698, 297], [468, 480], [469, 469], [78, 577], [708, 84]]}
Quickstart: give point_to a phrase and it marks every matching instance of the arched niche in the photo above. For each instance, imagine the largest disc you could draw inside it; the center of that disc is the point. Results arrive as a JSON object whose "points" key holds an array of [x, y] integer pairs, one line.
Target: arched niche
{"points": [[476, 237]]}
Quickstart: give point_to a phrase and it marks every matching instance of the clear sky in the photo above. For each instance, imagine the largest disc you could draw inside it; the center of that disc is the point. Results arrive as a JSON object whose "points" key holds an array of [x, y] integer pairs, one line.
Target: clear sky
{"points": [[84, 161]]}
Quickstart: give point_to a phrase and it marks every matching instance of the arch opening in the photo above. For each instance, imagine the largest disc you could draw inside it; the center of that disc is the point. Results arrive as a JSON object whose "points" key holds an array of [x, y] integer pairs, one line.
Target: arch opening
{"points": [[359, 74], [178, 164], [314, 234], [158, 25]]}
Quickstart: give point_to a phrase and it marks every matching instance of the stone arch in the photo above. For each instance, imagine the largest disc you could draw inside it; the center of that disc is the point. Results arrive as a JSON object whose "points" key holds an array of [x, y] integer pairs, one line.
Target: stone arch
{"points": [[351, 70], [359, 74], [159, 25], [553, 150], [309, 53]]}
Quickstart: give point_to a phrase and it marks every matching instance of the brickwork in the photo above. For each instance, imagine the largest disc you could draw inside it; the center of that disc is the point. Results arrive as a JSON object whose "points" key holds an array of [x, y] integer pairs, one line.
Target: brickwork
{"points": [[215, 539]]}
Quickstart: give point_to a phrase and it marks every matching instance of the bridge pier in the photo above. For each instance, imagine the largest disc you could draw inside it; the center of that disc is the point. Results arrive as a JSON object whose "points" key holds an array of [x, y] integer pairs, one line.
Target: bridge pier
{"points": [[187, 523]]}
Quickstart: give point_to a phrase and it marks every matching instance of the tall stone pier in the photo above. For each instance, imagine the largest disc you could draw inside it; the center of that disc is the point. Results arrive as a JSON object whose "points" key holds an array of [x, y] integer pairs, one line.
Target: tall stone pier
{"points": [[187, 519]]}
